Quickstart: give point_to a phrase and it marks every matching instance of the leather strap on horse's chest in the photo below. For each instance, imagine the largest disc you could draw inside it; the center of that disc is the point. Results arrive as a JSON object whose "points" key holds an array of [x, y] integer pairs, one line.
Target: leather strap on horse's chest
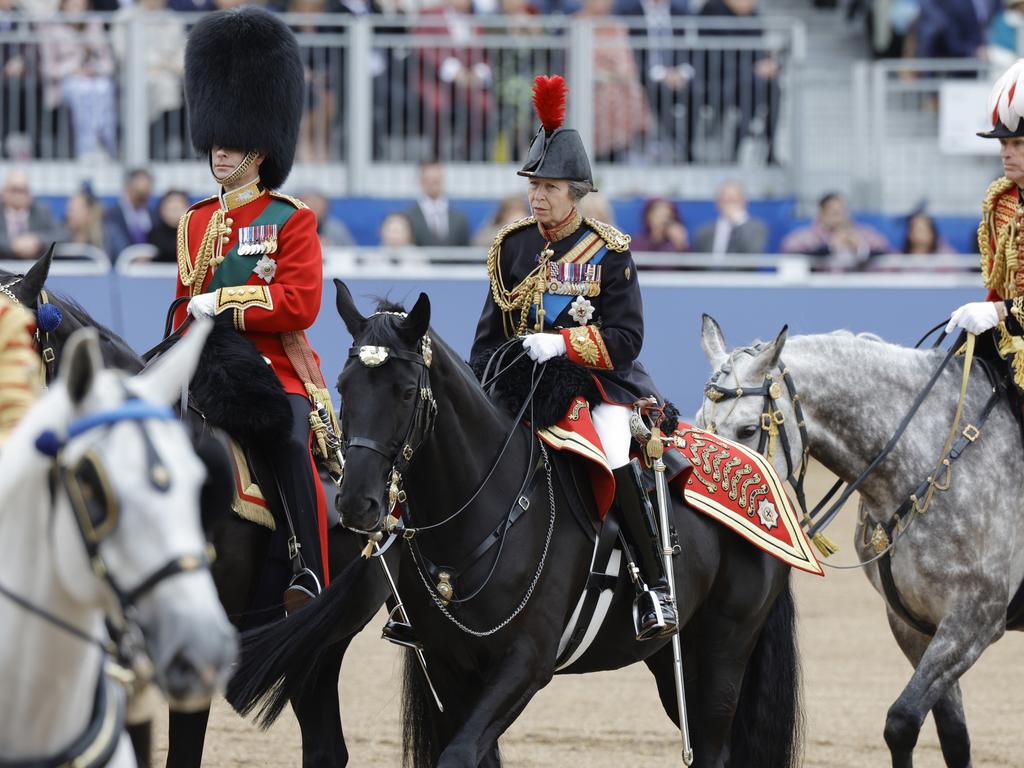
{"points": [[236, 269], [969, 434], [98, 742]]}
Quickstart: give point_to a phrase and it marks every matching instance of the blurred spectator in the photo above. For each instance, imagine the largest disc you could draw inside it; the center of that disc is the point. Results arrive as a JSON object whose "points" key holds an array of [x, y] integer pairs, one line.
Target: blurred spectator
{"points": [[556, 7], [621, 115], [322, 68], [26, 226], [662, 228], [395, 231], [836, 239], [738, 89], [596, 206], [1003, 34], [455, 85], [665, 73], [162, 45], [16, 59], [514, 69], [83, 220], [128, 221], [433, 221], [510, 209], [953, 28], [733, 231], [164, 234], [332, 231], [923, 236], [78, 67]]}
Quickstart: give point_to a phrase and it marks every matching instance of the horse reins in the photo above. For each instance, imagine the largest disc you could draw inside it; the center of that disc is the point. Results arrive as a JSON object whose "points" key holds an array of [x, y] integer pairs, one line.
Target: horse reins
{"points": [[817, 519]]}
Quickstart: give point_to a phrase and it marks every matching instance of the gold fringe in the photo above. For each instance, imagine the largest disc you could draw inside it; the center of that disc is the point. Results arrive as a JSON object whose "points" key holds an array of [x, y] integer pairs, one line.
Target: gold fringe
{"points": [[824, 544], [998, 266]]}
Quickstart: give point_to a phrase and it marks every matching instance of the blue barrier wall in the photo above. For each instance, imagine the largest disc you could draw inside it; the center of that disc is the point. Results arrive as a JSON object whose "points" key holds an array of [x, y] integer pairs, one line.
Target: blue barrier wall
{"points": [[134, 307]]}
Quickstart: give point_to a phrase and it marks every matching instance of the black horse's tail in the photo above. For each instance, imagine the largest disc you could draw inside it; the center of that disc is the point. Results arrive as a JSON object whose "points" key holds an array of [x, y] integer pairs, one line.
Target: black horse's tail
{"points": [[419, 714], [276, 660], [768, 727]]}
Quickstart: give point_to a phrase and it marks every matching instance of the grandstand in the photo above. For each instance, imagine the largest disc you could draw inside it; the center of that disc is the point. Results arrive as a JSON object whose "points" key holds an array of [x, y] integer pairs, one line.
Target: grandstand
{"points": [[787, 99]]}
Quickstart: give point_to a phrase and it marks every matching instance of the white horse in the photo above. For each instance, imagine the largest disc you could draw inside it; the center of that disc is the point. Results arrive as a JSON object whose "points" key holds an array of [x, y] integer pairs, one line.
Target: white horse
{"points": [[954, 569], [99, 522]]}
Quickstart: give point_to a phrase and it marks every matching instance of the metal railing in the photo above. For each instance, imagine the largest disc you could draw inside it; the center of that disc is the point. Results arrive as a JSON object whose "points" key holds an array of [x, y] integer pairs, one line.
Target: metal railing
{"points": [[659, 108], [902, 109]]}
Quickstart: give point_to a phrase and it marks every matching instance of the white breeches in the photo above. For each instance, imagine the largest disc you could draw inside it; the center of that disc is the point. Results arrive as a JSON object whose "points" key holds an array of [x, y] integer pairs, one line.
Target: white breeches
{"points": [[612, 425]]}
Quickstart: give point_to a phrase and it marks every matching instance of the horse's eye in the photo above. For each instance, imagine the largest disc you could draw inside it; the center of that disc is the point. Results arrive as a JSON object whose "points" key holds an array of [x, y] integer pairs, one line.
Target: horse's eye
{"points": [[748, 431], [408, 395]]}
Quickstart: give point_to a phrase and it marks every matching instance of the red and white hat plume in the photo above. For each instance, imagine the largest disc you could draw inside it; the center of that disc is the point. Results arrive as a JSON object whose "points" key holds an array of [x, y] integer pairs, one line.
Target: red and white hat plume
{"points": [[1006, 101]]}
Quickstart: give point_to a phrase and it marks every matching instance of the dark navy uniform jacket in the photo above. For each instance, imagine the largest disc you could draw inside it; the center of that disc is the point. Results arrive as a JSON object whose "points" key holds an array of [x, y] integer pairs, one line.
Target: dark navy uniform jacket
{"points": [[604, 278]]}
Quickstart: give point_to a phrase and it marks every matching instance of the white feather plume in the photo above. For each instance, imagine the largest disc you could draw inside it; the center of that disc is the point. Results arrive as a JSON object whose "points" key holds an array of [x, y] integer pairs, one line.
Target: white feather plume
{"points": [[1009, 111]]}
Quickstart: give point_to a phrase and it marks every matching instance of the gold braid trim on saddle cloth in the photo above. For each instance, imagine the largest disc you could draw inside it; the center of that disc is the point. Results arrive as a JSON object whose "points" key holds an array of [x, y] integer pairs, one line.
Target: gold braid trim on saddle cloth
{"points": [[21, 370], [1000, 226]]}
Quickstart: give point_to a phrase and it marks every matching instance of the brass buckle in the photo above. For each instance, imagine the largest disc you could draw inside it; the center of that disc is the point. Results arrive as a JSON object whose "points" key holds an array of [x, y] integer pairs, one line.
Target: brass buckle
{"points": [[766, 422], [971, 432], [49, 355]]}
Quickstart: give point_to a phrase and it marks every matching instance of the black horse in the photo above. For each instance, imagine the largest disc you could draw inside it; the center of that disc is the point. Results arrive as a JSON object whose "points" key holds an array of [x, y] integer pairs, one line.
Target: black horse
{"points": [[494, 645], [241, 548]]}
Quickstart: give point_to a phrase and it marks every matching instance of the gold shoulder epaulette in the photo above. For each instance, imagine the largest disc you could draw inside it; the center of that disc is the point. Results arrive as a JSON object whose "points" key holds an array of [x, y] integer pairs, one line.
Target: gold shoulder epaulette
{"points": [[198, 203], [615, 240], [288, 199]]}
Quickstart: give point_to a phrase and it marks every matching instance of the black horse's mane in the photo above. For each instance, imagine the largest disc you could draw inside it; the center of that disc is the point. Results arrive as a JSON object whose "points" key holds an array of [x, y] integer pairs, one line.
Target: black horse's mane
{"points": [[83, 319]]}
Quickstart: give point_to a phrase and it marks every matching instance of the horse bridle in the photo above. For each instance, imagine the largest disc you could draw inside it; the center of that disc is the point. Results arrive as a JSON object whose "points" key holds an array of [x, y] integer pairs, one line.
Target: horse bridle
{"points": [[421, 423], [96, 513], [44, 343], [773, 427]]}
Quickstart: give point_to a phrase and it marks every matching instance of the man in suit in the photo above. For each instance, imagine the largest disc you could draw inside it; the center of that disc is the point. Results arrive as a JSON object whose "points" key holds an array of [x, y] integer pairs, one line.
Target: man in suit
{"points": [[26, 226], [129, 220], [733, 231], [954, 28], [433, 221]]}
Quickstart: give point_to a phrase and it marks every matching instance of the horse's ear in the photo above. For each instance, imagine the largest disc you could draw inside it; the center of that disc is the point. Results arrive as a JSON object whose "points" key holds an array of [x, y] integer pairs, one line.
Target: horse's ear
{"points": [[712, 340], [80, 363], [164, 379], [773, 353], [31, 285], [350, 315], [418, 321]]}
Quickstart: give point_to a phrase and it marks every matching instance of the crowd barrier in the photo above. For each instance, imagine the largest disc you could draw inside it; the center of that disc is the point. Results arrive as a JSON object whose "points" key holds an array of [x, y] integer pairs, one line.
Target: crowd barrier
{"points": [[897, 307]]}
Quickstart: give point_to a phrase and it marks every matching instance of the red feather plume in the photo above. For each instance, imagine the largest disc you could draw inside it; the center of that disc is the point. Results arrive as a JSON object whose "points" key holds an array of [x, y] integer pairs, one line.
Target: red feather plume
{"points": [[549, 101]]}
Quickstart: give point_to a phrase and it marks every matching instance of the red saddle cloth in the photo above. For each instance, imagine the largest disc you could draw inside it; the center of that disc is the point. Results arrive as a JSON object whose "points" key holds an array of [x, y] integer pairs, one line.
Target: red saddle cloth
{"points": [[725, 480]]}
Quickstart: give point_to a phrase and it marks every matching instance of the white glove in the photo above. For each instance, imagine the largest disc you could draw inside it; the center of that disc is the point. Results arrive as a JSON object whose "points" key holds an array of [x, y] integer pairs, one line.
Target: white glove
{"points": [[543, 346], [976, 317], [203, 305]]}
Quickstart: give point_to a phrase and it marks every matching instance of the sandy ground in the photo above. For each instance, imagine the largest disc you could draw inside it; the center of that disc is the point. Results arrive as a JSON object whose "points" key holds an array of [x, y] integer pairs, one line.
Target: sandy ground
{"points": [[853, 671]]}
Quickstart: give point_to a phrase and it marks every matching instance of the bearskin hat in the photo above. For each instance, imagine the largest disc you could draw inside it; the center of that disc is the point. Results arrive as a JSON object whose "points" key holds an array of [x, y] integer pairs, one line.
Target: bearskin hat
{"points": [[556, 152], [244, 87], [1006, 104]]}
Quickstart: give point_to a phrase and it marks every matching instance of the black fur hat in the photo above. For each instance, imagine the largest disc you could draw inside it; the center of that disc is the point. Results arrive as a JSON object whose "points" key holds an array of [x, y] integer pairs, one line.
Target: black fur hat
{"points": [[244, 87]]}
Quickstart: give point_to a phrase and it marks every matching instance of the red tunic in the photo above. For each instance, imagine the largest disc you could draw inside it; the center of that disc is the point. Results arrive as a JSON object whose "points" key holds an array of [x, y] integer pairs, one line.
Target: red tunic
{"points": [[289, 302]]}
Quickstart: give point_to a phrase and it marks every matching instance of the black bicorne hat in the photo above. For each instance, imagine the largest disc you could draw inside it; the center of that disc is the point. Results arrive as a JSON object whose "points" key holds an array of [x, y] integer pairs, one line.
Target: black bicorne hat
{"points": [[244, 87], [556, 152], [1006, 104]]}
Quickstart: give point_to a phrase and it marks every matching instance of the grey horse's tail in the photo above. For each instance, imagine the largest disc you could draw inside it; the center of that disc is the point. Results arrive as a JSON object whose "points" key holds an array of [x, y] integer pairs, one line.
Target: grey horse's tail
{"points": [[768, 727]]}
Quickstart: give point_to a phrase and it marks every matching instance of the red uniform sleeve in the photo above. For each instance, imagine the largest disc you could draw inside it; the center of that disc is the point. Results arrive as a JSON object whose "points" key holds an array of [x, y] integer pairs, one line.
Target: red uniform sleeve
{"points": [[291, 302], [180, 291]]}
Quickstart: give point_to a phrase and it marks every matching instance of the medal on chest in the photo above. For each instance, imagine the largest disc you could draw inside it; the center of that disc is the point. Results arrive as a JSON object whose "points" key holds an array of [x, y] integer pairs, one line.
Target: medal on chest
{"points": [[567, 279], [257, 240]]}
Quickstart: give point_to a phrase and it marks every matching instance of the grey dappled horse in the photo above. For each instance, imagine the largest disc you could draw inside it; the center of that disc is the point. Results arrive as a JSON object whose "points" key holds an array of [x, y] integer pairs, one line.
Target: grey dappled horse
{"points": [[958, 565]]}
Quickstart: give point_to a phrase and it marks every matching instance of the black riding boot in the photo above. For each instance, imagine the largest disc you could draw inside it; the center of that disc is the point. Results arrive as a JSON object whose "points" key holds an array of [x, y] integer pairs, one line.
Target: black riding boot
{"points": [[655, 612]]}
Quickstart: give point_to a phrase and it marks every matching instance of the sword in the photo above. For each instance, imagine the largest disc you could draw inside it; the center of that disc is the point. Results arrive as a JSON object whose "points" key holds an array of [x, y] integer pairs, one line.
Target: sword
{"points": [[374, 545], [655, 450]]}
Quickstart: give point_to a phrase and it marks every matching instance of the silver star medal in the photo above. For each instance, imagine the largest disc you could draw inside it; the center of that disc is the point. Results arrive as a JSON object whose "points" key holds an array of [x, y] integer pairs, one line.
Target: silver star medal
{"points": [[581, 310], [266, 268], [768, 515]]}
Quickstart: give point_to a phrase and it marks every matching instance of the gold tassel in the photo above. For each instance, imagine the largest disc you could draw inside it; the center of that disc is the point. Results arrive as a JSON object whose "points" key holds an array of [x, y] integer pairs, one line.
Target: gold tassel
{"points": [[825, 545]]}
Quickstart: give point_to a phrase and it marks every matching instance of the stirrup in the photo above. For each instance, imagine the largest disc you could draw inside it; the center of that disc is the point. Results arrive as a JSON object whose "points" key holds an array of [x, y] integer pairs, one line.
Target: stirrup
{"points": [[303, 589], [401, 633], [653, 617]]}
